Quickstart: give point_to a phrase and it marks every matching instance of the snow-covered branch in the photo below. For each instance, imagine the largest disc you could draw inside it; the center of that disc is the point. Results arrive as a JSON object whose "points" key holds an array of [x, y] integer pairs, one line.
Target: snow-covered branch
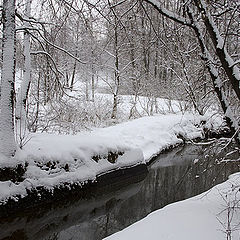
{"points": [[227, 62], [169, 14]]}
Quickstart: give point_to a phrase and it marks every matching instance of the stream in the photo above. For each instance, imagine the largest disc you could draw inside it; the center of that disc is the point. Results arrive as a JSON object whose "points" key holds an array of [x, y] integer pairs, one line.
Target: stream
{"points": [[176, 175]]}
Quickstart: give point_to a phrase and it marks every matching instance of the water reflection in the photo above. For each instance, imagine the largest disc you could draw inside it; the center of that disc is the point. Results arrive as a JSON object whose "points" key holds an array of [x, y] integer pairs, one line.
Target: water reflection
{"points": [[172, 177]]}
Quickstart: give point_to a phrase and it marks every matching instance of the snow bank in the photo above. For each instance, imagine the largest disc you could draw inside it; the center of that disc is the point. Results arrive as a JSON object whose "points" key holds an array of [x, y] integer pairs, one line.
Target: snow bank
{"points": [[201, 217], [154, 134], [57, 159]]}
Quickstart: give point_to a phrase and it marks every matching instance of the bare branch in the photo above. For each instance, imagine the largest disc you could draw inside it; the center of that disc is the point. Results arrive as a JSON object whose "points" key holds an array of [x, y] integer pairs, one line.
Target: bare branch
{"points": [[171, 15]]}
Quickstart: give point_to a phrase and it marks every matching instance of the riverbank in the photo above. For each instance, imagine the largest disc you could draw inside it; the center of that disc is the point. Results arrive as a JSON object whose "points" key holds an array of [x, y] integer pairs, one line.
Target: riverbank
{"points": [[211, 215], [110, 210], [52, 161]]}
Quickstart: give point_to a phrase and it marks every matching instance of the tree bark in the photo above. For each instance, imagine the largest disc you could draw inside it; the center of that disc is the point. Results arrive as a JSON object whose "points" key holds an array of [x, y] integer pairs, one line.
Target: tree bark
{"points": [[227, 63], [217, 82], [7, 139], [116, 73]]}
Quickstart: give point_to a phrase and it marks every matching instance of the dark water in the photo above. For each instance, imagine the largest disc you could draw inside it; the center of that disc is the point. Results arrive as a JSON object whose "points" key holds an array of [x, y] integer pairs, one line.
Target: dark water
{"points": [[173, 176]]}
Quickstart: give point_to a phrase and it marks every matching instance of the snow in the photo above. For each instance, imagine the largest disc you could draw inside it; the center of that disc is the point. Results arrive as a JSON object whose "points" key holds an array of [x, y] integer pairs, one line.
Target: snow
{"points": [[139, 139], [201, 217], [150, 134]]}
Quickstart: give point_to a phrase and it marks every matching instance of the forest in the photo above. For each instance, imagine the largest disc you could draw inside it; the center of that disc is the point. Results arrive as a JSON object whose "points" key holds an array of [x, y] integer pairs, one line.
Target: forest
{"points": [[61, 51]]}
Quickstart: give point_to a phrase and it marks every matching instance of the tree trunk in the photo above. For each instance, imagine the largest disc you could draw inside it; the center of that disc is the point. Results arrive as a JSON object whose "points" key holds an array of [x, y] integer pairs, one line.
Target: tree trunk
{"points": [[116, 74], [7, 139], [227, 63], [115, 103], [73, 75], [93, 83], [21, 116], [217, 82]]}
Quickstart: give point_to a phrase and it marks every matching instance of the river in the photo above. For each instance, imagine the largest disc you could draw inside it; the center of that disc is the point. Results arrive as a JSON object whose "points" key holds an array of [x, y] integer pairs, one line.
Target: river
{"points": [[176, 175]]}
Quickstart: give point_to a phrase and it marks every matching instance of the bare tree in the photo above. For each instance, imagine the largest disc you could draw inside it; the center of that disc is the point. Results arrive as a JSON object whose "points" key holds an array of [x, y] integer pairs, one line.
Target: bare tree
{"points": [[199, 18]]}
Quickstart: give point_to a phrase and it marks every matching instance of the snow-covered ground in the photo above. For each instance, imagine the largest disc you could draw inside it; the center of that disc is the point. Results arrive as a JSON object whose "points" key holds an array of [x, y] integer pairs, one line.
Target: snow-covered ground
{"points": [[209, 216], [57, 159]]}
